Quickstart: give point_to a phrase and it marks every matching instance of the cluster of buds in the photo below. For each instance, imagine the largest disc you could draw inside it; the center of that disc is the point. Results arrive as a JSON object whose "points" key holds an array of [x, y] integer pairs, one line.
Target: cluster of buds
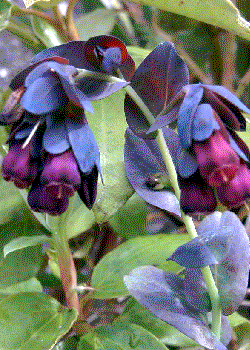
{"points": [[52, 150]]}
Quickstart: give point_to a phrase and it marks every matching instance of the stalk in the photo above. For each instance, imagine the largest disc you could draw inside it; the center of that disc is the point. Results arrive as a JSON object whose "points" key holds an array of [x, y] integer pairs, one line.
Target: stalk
{"points": [[206, 272]]}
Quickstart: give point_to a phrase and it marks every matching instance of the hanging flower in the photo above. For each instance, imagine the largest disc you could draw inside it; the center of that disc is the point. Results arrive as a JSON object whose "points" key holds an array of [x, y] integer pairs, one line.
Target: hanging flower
{"points": [[206, 122], [51, 145]]}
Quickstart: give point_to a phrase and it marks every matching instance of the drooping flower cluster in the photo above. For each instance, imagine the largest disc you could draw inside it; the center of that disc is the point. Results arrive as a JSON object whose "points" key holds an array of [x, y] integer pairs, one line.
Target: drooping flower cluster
{"points": [[51, 147], [209, 155], [213, 156]]}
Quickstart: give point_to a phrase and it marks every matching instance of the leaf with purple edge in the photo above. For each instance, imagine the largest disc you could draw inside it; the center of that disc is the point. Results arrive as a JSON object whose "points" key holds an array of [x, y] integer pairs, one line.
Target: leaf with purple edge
{"points": [[142, 160], [157, 80], [162, 294]]}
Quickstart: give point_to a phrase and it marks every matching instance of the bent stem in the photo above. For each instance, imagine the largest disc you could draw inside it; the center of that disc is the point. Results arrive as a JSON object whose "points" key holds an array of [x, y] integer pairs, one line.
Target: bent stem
{"points": [[206, 272], [65, 259]]}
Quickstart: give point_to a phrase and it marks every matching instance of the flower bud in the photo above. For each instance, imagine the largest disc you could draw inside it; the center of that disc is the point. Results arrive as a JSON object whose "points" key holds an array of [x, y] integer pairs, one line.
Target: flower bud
{"points": [[41, 201], [60, 176], [18, 165], [236, 192], [217, 161], [196, 196]]}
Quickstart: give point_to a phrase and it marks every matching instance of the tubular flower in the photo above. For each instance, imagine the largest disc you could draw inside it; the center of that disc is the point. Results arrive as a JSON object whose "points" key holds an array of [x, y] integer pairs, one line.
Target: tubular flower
{"points": [[51, 145], [207, 119]]}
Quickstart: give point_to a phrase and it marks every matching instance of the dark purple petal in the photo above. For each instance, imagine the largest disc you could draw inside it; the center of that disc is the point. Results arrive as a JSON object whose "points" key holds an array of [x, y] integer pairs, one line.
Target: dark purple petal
{"points": [[162, 293], [44, 95], [18, 165], [19, 79], [238, 150], [143, 160], [229, 96], [241, 144], [55, 139], [218, 162], [196, 196], [187, 113], [88, 189], [186, 164], [83, 145], [203, 123], [24, 130], [12, 110], [111, 58], [41, 201], [60, 175], [235, 193], [229, 114]]}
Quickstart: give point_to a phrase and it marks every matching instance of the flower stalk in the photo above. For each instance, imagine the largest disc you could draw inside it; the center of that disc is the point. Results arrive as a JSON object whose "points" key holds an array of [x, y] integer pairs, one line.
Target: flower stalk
{"points": [[68, 273], [206, 272]]}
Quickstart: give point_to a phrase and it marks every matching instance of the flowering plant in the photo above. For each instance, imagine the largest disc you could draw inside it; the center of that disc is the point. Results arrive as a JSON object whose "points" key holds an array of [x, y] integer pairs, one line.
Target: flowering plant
{"points": [[133, 181]]}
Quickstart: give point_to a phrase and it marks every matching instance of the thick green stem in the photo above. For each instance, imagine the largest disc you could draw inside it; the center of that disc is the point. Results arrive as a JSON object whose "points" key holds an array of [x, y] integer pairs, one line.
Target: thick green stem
{"points": [[65, 259], [206, 272]]}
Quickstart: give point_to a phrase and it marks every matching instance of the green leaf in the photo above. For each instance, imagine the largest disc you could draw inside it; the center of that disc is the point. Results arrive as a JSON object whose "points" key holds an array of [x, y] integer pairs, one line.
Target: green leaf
{"points": [[236, 320], [5, 13], [138, 54], [47, 4], [23, 242], [220, 13], [29, 3], [32, 321], [107, 278], [22, 264], [108, 125], [99, 22], [130, 220], [243, 336], [81, 220], [32, 285], [45, 32], [93, 342], [129, 337], [69, 343], [135, 313]]}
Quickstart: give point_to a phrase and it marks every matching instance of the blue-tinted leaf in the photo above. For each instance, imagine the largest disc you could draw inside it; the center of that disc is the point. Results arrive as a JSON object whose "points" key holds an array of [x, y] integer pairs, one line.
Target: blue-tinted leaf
{"points": [[95, 88], [195, 290], [157, 80], [142, 161], [44, 95], [232, 272], [228, 95], [208, 248], [237, 149], [165, 119], [55, 139], [187, 112], [72, 51], [83, 145], [160, 77], [162, 294], [204, 123], [186, 164], [228, 113]]}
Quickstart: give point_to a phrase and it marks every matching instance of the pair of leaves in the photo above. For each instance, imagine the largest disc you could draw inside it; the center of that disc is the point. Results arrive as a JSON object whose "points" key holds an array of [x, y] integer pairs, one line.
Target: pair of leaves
{"points": [[185, 304]]}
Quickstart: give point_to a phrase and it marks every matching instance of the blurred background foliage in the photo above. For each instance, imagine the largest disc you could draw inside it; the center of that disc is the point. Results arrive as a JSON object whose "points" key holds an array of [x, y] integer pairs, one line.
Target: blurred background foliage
{"points": [[213, 55]]}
